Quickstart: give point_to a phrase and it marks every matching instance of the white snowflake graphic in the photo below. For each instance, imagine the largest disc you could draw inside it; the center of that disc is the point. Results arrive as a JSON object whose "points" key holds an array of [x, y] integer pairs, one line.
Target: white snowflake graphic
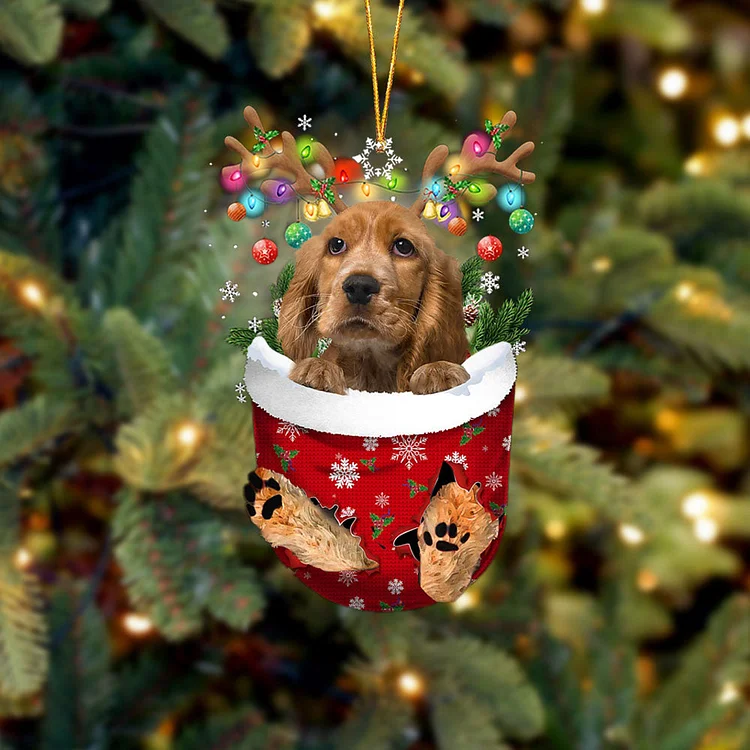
{"points": [[242, 398], [506, 442], [265, 223], [392, 159], [277, 307], [357, 602], [493, 481], [307, 575], [395, 586], [348, 577], [490, 282], [229, 292], [370, 443], [292, 431], [523, 251], [382, 500], [240, 388], [458, 458], [348, 512], [409, 449], [485, 448], [493, 412], [255, 324], [518, 348], [304, 122], [477, 214], [344, 473]]}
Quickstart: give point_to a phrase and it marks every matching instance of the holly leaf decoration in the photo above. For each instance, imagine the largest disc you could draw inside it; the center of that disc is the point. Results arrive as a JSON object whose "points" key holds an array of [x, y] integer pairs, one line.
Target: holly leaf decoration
{"points": [[415, 488], [324, 188], [495, 132], [263, 138]]}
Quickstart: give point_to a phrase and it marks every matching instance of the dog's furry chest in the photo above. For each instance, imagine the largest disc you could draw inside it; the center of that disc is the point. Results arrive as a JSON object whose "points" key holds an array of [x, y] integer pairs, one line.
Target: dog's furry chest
{"points": [[368, 367]]}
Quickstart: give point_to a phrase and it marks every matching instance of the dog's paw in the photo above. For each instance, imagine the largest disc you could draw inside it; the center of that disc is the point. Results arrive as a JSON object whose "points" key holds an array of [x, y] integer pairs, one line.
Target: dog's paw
{"points": [[320, 375], [437, 376]]}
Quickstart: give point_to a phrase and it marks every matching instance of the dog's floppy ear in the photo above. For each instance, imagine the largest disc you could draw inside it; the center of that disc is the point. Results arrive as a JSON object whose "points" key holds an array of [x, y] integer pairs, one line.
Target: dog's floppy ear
{"points": [[439, 331], [446, 476], [298, 330]]}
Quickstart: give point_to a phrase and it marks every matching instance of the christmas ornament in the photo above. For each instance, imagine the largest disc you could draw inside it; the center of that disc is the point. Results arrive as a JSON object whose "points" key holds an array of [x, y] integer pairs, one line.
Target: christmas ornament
{"points": [[471, 311], [236, 212], [231, 178], [311, 211], [278, 191], [489, 248], [511, 196], [265, 251], [297, 234], [457, 226], [430, 210], [324, 210], [521, 221]]}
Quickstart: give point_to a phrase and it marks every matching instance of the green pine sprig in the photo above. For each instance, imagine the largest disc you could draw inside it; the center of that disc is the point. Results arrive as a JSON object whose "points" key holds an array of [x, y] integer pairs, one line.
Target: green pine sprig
{"points": [[471, 276], [504, 324]]}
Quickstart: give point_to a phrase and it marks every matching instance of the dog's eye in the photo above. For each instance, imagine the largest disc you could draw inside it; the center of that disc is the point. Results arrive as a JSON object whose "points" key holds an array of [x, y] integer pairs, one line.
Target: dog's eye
{"points": [[336, 245], [403, 248]]}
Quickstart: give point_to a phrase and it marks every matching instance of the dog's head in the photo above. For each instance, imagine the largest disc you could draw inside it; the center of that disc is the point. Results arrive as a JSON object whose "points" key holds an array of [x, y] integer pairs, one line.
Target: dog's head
{"points": [[374, 279]]}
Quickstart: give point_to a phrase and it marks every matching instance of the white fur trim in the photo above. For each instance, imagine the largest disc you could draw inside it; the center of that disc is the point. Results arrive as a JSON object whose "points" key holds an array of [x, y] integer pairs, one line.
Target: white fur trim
{"points": [[492, 373]]}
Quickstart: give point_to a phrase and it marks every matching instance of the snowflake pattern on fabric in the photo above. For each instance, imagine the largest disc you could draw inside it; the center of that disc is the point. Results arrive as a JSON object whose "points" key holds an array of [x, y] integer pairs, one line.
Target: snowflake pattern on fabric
{"points": [[292, 431], [507, 441], [409, 449], [348, 577], [370, 443], [357, 602], [493, 481], [276, 306], [458, 458], [518, 348], [490, 282], [229, 292], [493, 412], [382, 500], [348, 512], [344, 473], [395, 586], [392, 159]]}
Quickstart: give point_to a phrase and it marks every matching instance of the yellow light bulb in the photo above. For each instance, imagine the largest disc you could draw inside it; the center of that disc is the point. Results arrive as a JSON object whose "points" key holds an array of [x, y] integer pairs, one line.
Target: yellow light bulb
{"points": [[555, 529], [256, 160], [455, 169], [410, 684], [468, 600], [32, 293], [706, 530], [631, 534], [673, 83], [366, 189], [22, 558], [593, 7], [137, 624], [695, 505], [726, 130], [188, 434], [311, 211]]}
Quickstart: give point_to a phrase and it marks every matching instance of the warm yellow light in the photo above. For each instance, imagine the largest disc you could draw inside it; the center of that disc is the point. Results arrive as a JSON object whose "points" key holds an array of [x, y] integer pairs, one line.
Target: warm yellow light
{"points": [[410, 684], [684, 291], [668, 420], [746, 125], [325, 9], [647, 581], [555, 529], [256, 160], [695, 505], [366, 189], [32, 293], [188, 434], [601, 264], [521, 393], [706, 530], [23, 558], [593, 7], [673, 83], [137, 624], [468, 600], [729, 693], [696, 165], [455, 169], [726, 130], [630, 534], [523, 63]]}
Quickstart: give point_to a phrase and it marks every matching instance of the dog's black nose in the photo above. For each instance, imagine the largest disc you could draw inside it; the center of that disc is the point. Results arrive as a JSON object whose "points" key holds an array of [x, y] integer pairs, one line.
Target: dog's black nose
{"points": [[359, 289]]}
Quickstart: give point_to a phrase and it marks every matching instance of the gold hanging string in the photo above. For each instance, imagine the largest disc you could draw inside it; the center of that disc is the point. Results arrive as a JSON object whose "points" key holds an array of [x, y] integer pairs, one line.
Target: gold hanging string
{"points": [[382, 119]]}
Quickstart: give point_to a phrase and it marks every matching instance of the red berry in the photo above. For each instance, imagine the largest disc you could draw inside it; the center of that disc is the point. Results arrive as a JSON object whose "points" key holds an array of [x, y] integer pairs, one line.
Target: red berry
{"points": [[265, 251], [489, 248]]}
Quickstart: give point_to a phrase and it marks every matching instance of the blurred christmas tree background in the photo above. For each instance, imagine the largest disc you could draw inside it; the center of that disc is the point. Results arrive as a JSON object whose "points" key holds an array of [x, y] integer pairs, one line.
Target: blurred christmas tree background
{"points": [[139, 608]]}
